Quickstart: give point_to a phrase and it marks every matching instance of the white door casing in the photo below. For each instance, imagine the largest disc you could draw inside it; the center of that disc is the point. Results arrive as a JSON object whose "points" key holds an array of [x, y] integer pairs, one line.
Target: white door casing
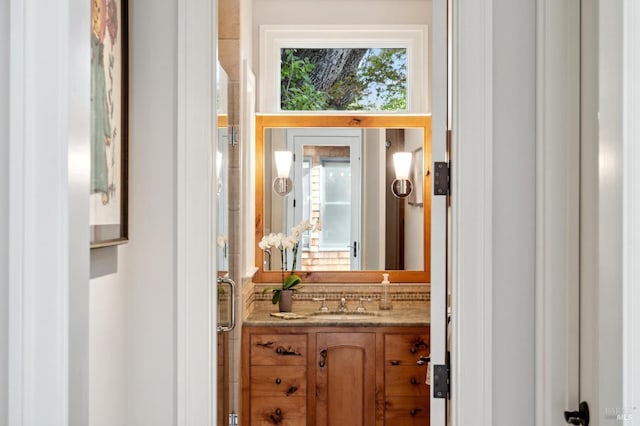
{"points": [[48, 213], [631, 207], [196, 212]]}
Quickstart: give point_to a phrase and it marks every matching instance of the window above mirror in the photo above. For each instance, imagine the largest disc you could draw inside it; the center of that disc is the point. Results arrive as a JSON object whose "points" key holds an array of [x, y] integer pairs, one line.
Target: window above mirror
{"points": [[343, 68], [341, 79]]}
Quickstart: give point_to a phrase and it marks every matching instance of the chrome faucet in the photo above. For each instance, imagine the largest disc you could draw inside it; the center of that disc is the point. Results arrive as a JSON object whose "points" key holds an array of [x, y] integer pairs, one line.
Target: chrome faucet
{"points": [[342, 306]]}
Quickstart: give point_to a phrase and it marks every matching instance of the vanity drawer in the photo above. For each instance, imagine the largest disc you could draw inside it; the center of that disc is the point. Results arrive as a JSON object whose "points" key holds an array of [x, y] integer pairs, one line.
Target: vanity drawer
{"points": [[406, 381], [407, 411], [279, 381], [283, 411], [278, 349], [405, 349]]}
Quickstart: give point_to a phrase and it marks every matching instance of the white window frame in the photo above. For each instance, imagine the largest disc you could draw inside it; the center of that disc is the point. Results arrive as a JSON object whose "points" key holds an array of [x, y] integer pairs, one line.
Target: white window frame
{"points": [[273, 38]]}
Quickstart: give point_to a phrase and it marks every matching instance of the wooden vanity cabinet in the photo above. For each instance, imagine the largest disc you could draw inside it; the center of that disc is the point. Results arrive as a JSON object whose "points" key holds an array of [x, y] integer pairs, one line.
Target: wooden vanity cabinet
{"points": [[406, 393], [278, 378], [345, 379], [334, 376]]}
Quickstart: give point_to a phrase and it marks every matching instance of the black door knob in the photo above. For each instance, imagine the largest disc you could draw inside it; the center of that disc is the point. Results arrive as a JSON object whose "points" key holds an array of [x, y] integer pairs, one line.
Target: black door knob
{"points": [[580, 417]]}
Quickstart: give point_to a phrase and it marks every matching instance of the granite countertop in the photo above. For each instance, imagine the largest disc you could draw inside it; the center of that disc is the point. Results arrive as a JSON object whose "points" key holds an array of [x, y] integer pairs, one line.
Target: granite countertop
{"points": [[398, 316]]}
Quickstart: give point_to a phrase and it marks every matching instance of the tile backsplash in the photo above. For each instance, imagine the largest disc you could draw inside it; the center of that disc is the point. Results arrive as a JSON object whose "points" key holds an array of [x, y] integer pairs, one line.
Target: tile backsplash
{"points": [[401, 294]]}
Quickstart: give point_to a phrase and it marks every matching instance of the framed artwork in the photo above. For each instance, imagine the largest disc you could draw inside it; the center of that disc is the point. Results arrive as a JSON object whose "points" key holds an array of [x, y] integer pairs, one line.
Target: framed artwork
{"points": [[417, 174], [108, 198]]}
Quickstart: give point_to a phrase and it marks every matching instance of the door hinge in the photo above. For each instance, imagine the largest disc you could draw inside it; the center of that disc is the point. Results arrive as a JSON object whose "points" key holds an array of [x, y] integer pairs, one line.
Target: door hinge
{"points": [[233, 419], [441, 381], [441, 178]]}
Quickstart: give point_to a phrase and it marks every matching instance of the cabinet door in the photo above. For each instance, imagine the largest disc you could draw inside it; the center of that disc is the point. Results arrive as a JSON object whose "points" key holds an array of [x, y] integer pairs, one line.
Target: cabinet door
{"points": [[345, 379]]}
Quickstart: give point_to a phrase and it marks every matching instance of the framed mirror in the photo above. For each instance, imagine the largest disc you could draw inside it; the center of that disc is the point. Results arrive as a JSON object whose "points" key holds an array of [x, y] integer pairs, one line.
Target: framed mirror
{"points": [[340, 176]]}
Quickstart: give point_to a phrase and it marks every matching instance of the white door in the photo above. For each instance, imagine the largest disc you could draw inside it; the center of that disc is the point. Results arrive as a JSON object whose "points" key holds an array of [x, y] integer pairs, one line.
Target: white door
{"points": [[439, 94]]}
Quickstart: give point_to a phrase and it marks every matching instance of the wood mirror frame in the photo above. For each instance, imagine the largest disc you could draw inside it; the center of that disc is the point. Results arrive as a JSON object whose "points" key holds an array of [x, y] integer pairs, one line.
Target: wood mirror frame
{"points": [[350, 121]]}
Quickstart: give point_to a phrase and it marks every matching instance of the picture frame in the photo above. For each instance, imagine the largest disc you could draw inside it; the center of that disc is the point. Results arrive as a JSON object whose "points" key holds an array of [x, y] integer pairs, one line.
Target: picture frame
{"points": [[416, 174], [108, 198]]}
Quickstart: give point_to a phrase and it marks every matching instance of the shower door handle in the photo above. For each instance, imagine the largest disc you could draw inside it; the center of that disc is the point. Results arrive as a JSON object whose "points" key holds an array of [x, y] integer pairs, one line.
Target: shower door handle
{"points": [[232, 311]]}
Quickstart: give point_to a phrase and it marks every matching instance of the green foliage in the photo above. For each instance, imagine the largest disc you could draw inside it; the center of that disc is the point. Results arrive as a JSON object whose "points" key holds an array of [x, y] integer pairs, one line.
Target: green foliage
{"points": [[379, 84], [298, 92], [289, 283], [383, 75]]}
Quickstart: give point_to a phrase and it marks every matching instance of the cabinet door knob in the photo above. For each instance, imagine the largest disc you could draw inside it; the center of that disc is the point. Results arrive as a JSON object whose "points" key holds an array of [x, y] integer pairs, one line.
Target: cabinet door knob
{"points": [[278, 381], [413, 381], [278, 412], [414, 411], [395, 362]]}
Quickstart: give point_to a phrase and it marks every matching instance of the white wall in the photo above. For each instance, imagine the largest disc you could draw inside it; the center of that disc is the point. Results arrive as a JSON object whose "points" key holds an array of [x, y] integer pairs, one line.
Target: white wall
{"points": [[107, 337], [373, 199], [414, 215], [514, 191], [133, 318], [4, 205]]}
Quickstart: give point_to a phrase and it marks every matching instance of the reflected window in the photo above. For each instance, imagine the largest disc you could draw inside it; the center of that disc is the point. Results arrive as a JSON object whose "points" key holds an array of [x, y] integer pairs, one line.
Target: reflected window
{"points": [[336, 204]]}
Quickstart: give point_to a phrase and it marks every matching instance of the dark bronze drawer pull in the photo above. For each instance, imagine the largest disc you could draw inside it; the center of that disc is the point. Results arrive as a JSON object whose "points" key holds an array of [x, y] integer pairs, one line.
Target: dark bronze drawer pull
{"points": [[323, 360], [414, 411], [278, 381], [419, 345], [282, 351], [414, 381], [395, 362], [292, 390], [276, 417]]}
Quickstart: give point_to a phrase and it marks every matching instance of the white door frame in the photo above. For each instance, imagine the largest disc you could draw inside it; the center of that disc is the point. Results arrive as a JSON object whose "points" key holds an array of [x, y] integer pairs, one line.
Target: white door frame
{"points": [[558, 209], [197, 130]]}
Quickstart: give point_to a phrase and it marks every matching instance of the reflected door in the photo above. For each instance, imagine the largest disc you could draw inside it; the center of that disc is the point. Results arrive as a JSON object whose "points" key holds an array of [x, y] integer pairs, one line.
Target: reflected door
{"points": [[327, 182]]}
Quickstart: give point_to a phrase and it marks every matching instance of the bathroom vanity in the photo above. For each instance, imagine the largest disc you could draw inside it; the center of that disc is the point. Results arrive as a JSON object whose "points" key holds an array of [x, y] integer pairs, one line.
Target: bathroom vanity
{"points": [[336, 370]]}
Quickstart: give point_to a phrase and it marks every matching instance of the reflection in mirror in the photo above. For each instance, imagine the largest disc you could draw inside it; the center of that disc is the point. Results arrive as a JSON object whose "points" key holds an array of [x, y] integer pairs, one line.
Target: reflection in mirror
{"points": [[342, 178], [222, 172]]}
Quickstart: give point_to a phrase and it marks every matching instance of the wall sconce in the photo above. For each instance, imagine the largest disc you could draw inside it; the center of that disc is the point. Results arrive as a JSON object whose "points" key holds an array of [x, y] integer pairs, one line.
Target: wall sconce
{"points": [[283, 184], [401, 187]]}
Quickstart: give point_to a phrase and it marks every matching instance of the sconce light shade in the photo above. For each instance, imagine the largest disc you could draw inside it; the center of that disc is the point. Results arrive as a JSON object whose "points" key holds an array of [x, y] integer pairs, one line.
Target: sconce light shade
{"points": [[282, 185], [283, 163], [401, 187], [402, 164]]}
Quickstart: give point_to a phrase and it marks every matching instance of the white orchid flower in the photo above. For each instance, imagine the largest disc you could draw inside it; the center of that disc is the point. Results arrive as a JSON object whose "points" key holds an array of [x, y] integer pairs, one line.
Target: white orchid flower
{"points": [[289, 243], [296, 232]]}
